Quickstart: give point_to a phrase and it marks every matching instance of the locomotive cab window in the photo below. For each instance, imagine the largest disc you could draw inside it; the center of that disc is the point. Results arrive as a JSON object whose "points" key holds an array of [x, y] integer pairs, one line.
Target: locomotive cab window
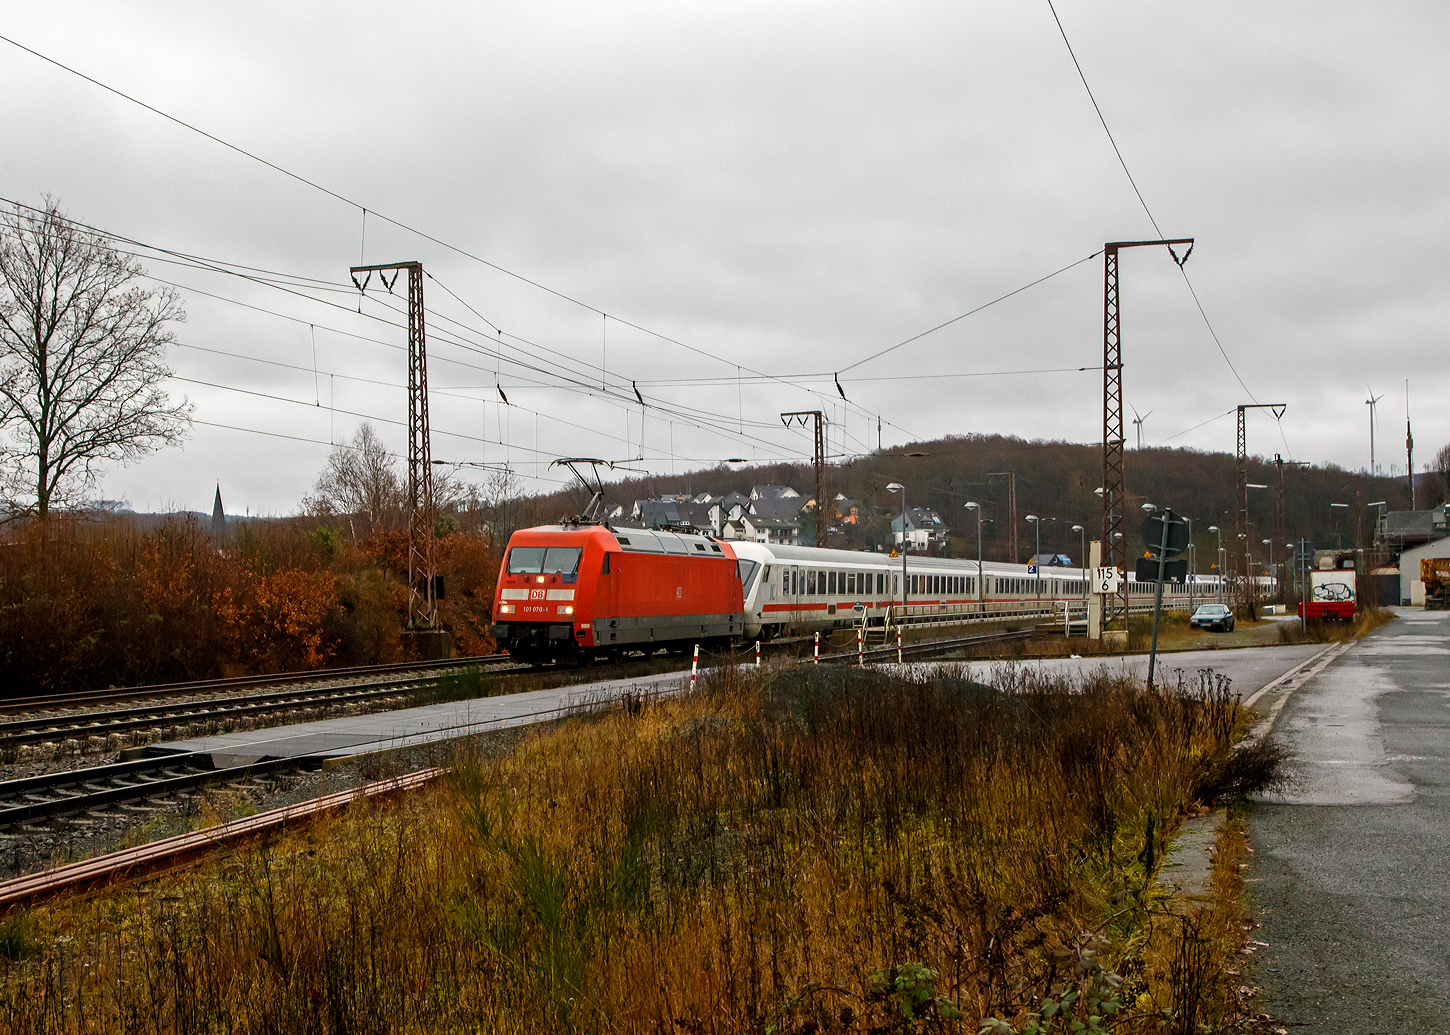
{"points": [[544, 560]]}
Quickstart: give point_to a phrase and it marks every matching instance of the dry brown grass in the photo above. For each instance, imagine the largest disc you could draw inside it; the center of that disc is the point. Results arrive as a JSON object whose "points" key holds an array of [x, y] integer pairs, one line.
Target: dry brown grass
{"points": [[800, 850], [1365, 622]]}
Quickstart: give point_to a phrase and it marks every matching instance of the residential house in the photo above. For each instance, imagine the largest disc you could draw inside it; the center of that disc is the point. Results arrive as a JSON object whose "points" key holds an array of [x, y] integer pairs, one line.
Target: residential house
{"points": [[924, 527], [756, 529]]}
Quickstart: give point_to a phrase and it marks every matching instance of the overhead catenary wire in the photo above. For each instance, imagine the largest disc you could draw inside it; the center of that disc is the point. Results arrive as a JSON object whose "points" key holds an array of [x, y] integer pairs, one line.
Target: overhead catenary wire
{"points": [[424, 235], [1102, 120], [970, 312], [710, 421]]}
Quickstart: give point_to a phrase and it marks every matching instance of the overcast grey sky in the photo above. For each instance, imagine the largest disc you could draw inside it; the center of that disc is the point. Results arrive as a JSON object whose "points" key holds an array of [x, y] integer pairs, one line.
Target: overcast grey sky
{"points": [[784, 189]]}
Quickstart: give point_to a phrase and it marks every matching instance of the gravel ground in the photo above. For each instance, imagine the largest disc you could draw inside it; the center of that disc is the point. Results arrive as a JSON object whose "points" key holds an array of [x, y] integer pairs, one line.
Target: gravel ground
{"points": [[70, 839]]}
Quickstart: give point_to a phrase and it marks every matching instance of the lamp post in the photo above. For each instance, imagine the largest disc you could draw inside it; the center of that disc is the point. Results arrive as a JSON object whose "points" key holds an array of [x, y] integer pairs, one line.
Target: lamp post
{"points": [[1219, 562], [1082, 560], [1192, 563], [898, 487], [976, 508], [1338, 539], [1037, 557], [1283, 593]]}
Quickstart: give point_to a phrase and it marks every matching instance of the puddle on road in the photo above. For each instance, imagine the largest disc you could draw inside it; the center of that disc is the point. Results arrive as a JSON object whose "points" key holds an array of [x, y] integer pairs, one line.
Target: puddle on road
{"points": [[1335, 733]]}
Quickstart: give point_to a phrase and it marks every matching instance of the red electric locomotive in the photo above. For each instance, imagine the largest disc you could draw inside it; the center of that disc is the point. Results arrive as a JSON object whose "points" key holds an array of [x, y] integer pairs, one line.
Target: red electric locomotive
{"points": [[571, 592]]}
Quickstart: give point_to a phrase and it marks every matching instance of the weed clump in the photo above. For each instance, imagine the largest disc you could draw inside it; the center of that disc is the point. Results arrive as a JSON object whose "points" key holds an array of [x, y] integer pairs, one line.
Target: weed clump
{"points": [[1319, 631], [793, 850]]}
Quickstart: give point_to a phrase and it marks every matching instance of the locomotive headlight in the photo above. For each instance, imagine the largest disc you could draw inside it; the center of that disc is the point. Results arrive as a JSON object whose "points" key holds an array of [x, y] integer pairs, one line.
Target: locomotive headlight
{"points": [[505, 609], [567, 610], [539, 579]]}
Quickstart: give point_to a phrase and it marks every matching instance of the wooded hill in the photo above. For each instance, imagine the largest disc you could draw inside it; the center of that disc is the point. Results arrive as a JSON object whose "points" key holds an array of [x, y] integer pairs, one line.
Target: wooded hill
{"points": [[1055, 480]]}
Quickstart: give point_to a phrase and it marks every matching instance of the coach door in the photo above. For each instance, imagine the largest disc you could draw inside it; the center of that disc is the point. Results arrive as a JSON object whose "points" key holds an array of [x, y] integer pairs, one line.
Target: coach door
{"points": [[792, 587]]}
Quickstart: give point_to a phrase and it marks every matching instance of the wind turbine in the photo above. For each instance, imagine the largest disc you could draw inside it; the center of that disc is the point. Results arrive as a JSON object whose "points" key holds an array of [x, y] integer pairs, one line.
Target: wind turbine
{"points": [[1139, 421], [1372, 402]]}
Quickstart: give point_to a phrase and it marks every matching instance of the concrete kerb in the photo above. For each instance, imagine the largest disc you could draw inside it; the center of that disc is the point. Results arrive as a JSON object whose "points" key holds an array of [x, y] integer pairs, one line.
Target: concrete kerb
{"points": [[1188, 867]]}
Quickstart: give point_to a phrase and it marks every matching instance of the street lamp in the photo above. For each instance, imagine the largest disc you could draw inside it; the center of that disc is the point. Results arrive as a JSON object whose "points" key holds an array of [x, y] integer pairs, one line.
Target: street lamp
{"points": [[1338, 539], [1082, 559], [1192, 561], [1219, 563], [977, 509], [898, 487], [1037, 557], [1293, 575], [1273, 572]]}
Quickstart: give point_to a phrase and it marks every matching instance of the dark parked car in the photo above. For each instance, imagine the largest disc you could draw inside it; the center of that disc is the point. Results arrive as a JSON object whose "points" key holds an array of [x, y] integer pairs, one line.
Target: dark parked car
{"points": [[1212, 616]]}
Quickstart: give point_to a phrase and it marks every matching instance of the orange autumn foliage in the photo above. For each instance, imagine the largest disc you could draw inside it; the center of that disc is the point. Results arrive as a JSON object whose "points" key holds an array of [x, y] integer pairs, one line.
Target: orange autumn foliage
{"points": [[112, 602]]}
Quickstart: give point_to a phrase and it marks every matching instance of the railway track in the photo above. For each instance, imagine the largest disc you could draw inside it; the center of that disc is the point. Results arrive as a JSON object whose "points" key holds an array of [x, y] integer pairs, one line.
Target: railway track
{"points": [[121, 784], [167, 778], [91, 731], [85, 698], [172, 852], [929, 647]]}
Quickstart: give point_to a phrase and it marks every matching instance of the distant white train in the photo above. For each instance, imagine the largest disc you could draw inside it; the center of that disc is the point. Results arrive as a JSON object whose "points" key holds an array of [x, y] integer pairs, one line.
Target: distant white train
{"points": [[795, 589]]}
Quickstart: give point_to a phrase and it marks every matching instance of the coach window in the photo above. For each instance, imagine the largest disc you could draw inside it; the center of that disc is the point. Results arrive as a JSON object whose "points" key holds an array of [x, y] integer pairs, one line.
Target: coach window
{"points": [[810, 590]]}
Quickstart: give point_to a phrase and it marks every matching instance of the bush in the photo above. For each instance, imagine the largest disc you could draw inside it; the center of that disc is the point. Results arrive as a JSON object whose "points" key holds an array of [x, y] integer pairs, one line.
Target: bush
{"points": [[92, 604]]}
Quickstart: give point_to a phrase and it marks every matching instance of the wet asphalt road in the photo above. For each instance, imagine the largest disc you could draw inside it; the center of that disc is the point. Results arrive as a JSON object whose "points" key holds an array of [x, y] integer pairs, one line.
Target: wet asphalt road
{"points": [[1351, 873]]}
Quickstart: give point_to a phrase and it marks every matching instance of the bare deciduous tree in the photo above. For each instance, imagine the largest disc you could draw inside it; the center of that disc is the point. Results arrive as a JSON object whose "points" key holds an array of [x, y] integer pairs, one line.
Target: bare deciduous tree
{"points": [[498, 504], [361, 483], [82, 350], [1441, 466]]}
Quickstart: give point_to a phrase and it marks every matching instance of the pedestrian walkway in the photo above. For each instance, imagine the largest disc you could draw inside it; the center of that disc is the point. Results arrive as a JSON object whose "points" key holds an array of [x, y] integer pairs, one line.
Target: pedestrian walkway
{"points": [[1349, 878], [345, 737]]}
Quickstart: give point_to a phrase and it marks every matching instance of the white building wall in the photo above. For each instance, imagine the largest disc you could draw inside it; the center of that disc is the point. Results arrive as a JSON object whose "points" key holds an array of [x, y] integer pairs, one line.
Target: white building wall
{"points": [[1410, 569]]}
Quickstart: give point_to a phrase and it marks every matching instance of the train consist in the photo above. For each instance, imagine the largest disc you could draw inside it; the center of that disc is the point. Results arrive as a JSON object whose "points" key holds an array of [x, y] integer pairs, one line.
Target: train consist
{"points": [[572, 592]]}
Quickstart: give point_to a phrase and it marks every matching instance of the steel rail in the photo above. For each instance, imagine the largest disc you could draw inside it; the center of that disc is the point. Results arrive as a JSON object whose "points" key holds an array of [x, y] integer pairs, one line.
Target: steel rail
{"points": [[29, 731], [929, 646], [130, 782], [173, 852], [43, 701]]}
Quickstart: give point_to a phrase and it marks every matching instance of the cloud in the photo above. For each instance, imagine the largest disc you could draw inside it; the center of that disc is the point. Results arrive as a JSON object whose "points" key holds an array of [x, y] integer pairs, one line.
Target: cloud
{"points": [[786, 188]]}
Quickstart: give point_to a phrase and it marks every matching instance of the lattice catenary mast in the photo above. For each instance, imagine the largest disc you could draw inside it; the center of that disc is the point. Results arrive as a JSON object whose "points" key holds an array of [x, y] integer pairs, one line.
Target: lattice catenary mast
{"points": [[799, 417], [422, 568], [1115, 540]]}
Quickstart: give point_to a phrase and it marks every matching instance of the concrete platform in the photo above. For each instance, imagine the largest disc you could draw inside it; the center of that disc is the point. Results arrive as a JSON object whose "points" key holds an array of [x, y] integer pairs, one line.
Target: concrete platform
{"points": [[388, 731], [341, 738]]}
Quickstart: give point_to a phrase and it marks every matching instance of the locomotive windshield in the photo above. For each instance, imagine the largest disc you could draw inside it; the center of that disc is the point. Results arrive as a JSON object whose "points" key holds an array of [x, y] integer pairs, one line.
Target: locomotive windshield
{"points": [[747, 575], [544, 560]]}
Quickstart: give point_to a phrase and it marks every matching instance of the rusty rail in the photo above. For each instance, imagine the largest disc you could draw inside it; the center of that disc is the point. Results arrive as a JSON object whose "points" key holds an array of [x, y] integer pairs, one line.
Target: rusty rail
{"points": [[171, 853]]}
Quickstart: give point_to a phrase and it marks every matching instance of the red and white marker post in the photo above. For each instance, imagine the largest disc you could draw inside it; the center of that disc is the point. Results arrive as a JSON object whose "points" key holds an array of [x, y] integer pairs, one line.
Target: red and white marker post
{"points": [[898, 645], [860, 647], [694, 666], [817, 659], [757, 653]]}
